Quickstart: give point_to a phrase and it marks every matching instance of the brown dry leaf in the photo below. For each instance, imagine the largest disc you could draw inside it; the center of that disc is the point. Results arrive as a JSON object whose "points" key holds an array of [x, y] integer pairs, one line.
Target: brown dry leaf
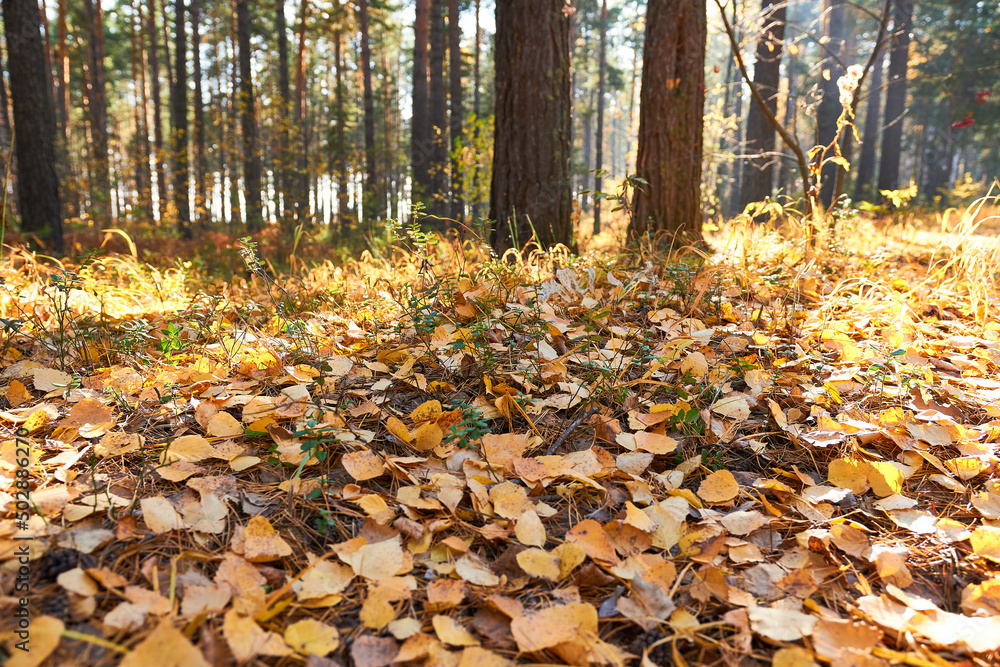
{"points": [[166, 646], [224, 425], [312, 637], [159, 515], [363, 465], [529, 529], [445, 593], [510, 500], [474, 656], [638, 519], [324, 579], [535, 631], [262, 542], [376, 612], [248, 640], [116, 444], [426, 411], [381, 560], [44, 635], [17, 393], [655, 443], [473, 570], [590, 535], [793, 656], [370, 651], [842, 641], [732, 407], [501, 450], [782, 625], [449, 631], [719, 487]]}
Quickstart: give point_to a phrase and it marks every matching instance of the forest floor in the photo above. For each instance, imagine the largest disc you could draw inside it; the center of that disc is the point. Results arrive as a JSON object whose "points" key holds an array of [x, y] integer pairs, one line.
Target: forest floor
{"points": [[776, 454]]}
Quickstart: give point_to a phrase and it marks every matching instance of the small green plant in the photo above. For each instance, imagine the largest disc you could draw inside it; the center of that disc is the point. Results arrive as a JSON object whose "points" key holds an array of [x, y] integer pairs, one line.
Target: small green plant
{"points": [[468, 431], [171, 341]]}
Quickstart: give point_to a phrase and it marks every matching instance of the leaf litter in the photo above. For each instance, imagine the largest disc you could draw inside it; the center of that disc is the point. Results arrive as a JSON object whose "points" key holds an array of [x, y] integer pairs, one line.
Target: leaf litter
{"points": [[601, 461]]}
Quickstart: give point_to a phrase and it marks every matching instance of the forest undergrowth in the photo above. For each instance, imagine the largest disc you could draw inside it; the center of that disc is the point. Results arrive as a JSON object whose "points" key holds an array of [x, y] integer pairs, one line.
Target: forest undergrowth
{"points": [[774, 453]]}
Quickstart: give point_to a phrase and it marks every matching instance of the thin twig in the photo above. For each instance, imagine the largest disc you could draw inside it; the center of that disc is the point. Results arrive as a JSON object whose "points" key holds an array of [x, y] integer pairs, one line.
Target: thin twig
{"points": [[569, 429]]}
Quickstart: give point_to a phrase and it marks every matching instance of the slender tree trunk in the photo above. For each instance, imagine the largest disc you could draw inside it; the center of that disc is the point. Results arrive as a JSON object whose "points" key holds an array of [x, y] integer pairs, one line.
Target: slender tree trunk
{"points": [[374, 194], [895, 95], [420, 147], [873, 116], [248, 116], [301, 143], [343, 196], [158, 154], [202, 211], [671, 108], [476, 109], [62, 72], [530, 195], [180, 136], [8, 204], [235, 117], [633, 86], [788, 173], [455, 74], [602, 56], [438, 103], [97, 103], [758, 172], [143, 177], [735, 87], [829, 106], [282, 163], [587, 119], [34, 123]]}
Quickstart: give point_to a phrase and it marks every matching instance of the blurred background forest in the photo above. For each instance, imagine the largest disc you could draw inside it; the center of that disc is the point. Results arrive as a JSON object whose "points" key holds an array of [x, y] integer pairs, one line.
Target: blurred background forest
{"points": [[329, 117]]}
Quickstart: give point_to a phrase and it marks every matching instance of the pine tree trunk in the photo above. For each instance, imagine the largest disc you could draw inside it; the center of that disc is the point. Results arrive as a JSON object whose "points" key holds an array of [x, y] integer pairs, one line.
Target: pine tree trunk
{"points": [[829, 105], [282, 163], [455, 74], [9, 204], [671, 108], [866, 163], [158, 155], [602, 55], [301, 142], [438, 117], [142, 173], [374, 197], [587, 150], [34, 122], [248, 121], [530, 195], [476, 110], [420, 124], [758, 172], [788, 172], [895, 95], [98, 106], [179, 146], [202, 211], [340, 159]]}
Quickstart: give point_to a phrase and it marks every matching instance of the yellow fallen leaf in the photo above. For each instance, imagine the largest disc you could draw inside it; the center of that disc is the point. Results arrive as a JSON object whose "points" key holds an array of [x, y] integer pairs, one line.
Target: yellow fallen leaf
{"points": [[849, 474], [655, 443], [471, 568], [166, 646], [427, 437], [159, 515], [190, 448], [376, 612], [591, 536], [246, 639], [719, 487], [449, 631], [539, 563], [45, 633], [312, 637], [363, 465], [376, 561], [986, 542], [224, 425], [262, 542], [529, 529], [398, 429], [426, 411]]}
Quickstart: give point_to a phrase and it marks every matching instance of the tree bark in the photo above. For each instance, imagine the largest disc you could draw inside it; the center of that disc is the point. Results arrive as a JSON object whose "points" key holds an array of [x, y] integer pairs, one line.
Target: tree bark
{"points": [[530, 196], [671, 108], [375, 200], [895, 95], [602, 56], [98, 106], [758, 172], [179, 146], [455, 74], [202, 212], [420, 124], [438, 117], [829, 105], [340, 155], [158, 155], [34, 122], [142, 173], [866, 163], [62, 72], [284, 138], [248, 122], [301, 142], [9, 169]]}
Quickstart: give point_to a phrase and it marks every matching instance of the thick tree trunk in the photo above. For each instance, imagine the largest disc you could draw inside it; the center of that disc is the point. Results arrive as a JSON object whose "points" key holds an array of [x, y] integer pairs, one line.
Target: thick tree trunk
{"points": [[34, 122], [98, 106], [438, 117], [530, 196], [895, 95], [248, 122], [374, 197], [158, 154], [829, 105], [873, 116], [179, 146], [420, 124], [455, 74], [758, 172], [282, 163], [301, 142], [671, 107], [202, 212], [602, 55]]}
